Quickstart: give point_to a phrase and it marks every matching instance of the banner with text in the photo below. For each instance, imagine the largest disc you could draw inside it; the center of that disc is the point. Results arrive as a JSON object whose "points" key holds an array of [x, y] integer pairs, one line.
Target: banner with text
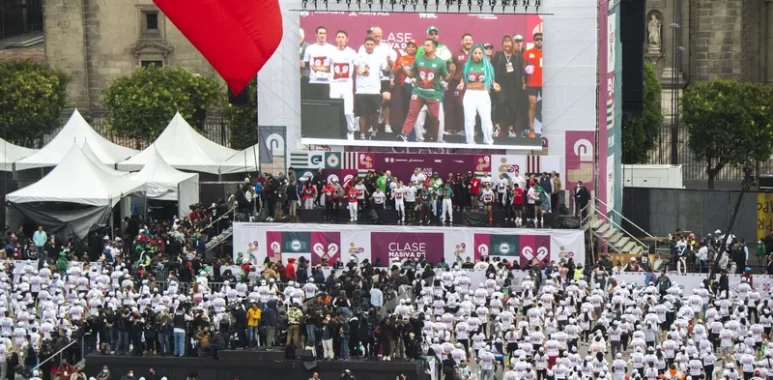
{"points": [[326, 244]]}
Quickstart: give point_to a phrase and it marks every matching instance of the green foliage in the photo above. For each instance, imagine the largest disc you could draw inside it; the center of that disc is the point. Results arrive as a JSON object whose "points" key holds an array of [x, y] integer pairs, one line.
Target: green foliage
{"points": [[640, 133], [243, 121], [32, 97], [729, 123], [142, 104]]}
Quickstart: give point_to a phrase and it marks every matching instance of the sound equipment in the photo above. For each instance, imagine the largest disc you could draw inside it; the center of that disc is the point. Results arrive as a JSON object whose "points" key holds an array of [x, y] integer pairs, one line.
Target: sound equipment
{"points": [[632, 35], [323, 119], [241, 99]]}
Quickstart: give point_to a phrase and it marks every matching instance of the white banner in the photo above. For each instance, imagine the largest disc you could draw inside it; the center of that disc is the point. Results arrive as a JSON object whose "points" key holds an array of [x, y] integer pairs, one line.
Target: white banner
{"points": [[327, 243]]}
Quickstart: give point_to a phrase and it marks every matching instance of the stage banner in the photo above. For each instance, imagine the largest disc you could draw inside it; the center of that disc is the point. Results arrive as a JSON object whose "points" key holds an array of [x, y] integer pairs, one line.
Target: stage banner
{"points": [[402, 165], [325, 243]]}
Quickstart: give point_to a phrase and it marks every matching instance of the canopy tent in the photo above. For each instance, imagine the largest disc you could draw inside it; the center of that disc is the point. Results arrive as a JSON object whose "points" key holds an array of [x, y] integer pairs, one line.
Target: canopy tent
{"points": [[76, 195], [182, 148], [163, 182], [10, 153], [86, 148], [242, 162], [76, 131]]}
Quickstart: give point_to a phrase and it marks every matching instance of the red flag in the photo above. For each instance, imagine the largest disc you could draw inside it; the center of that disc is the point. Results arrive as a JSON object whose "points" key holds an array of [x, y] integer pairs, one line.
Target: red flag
{"points": [[236, 36]]}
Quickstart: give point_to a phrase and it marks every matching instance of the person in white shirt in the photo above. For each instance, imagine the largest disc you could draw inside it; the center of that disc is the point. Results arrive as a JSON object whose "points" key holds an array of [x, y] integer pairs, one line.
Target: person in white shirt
{"points": [[418, 178], [367, 98], [388, 57], [315, 57], [398, 195], [409, 191], [340, 65], [378, 199]]}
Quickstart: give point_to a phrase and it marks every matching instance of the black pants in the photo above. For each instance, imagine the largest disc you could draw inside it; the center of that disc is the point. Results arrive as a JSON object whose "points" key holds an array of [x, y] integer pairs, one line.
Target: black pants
{"points": [[330, 212]]}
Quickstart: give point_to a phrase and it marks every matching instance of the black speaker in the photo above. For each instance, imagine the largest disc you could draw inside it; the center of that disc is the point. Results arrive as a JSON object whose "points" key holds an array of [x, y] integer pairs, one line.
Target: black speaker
{"points": [[323, 119], [765, 182], [240, 99], [632, 35]]}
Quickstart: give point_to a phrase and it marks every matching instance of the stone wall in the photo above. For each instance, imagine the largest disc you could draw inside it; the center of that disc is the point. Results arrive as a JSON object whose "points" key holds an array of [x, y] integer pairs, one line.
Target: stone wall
{"points": [[107, 49], [64, 47], [717, 39]]}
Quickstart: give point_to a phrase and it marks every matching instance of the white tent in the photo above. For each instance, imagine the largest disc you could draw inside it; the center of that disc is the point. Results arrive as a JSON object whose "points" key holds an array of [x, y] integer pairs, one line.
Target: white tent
{"points": [[86, 148], [76, 131], [182, 148], [242, 162], [75, 196], [77, 179], [163, 182], [10, 153]]}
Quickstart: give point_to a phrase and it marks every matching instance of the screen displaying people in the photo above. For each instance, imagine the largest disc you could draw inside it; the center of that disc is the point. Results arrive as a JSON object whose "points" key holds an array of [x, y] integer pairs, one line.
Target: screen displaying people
{"points": [[440, 84]]}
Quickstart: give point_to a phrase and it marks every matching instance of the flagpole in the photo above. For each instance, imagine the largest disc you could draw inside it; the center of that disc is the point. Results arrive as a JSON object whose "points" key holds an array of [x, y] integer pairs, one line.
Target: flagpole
{"points": [[257, 124]]}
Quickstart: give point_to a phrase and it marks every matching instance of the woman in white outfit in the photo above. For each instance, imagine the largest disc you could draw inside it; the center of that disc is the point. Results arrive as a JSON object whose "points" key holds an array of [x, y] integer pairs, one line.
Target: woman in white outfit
{"points": [[477, 80]]}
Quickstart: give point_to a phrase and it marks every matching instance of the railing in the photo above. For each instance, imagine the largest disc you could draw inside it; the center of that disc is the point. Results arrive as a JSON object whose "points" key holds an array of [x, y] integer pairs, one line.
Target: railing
{"points": [[68, 345], [647, 234], [612, 223]]}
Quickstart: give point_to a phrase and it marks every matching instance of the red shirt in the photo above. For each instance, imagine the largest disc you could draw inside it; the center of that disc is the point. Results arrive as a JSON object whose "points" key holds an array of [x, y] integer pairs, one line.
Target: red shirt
{"points": [[475, 186], [352, 195], [309, 192], [290, 271], [330, 192], [518, 199], [459, 60], [533, 57]]}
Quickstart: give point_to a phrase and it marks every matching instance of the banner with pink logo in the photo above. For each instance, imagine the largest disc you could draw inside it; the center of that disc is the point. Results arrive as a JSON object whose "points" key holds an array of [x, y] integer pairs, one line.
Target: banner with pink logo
{"points": [[324, 244], [386, 247]]}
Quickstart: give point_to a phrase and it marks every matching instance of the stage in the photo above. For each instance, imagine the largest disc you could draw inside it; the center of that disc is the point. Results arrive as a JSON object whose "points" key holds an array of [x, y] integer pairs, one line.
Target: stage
{"points": [[245, 364], [470, 218]]}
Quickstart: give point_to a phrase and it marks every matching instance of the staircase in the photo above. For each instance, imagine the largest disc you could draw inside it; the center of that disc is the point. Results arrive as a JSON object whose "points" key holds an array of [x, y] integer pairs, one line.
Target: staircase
{"points": [[617, 239]]}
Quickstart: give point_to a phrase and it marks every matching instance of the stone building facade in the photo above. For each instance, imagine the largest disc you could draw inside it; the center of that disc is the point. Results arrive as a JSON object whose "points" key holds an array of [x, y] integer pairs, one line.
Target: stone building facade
{"points": [[715, 39], [97, 41]]}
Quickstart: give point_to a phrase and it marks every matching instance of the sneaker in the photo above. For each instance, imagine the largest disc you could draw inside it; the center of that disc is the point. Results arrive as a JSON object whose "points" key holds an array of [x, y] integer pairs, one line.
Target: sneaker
{"points": [[511, 134], [532, 135], [387, 128], [363, 137], [402, 137], [350, 136]]}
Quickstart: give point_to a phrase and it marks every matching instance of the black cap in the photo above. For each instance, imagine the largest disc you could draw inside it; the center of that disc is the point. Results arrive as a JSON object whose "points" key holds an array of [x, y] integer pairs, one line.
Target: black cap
{"points": [[488, 46]]}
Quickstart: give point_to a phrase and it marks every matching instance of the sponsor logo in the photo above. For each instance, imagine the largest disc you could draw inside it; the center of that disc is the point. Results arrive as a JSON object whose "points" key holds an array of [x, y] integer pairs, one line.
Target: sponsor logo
{"points": [[355, 250], [315, 160], [326, 252], [295, 245], [483, 250], [333, 160]]}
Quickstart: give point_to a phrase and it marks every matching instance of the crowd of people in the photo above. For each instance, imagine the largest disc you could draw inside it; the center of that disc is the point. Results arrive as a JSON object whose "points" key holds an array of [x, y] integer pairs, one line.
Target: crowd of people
{"points": [[502, 88], [420, 200]]}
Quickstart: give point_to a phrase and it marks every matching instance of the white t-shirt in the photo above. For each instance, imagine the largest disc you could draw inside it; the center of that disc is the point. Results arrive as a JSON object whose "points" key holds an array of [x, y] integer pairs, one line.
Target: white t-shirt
{"points": [[383, 51], [398, 193], [378, 197], [317, 54], [410, 193], [370, 84], [341, 63]]}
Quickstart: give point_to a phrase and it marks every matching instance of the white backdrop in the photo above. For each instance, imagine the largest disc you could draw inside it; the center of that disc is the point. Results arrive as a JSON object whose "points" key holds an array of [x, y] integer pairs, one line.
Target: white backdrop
{"points": [[317, 241]]}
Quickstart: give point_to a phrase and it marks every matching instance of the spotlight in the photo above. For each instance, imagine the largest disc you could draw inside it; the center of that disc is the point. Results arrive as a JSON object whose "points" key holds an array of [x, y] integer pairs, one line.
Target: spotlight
{"points": [[526, 4], [538, 3]]}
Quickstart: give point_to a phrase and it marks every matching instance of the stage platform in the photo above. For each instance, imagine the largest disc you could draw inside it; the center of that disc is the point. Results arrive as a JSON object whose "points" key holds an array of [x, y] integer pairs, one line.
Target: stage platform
{"points": [[245, 365], [469, 218]]}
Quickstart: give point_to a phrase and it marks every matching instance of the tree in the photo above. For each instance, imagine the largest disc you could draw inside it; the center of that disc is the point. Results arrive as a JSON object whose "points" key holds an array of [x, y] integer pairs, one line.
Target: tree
{"points": [[729, 123], [32, 97], [140, 105], [243, 120], [640, 133]]}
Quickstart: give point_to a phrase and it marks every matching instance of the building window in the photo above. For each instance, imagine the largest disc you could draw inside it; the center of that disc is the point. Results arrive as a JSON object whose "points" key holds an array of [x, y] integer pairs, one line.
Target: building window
{"points": [[146, 64], [151, 22]]}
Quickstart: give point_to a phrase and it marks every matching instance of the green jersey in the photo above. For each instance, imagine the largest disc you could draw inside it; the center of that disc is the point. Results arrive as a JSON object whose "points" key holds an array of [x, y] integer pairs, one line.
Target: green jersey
{"points": [[381, 183], [424, 197], [428, 74], [447, 193]]}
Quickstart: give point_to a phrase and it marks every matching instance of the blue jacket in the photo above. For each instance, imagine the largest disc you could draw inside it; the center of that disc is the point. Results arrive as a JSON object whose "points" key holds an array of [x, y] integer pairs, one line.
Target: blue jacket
{"points": [[268, 319]]}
